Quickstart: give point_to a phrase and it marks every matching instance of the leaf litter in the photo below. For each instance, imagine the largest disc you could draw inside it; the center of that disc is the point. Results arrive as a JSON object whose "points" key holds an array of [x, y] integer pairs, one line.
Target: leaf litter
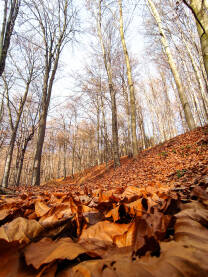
{"points": [[148, 217]]}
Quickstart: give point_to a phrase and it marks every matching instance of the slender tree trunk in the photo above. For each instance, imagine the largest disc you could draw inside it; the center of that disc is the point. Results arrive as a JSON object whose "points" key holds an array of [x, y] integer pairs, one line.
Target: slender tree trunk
{"points": [[73, 156], [14, 134], [47, 90], [105, 132], [7, 166], [180, 109], [130, 84], [184, 101], [170, 113], [108, 69], [39, 148], [59, 161], [19, 171], [64, 160], [2, 107], [192, 96], [126, 100], [141, 127], [114, 128], [22, 155], [98, 132]]}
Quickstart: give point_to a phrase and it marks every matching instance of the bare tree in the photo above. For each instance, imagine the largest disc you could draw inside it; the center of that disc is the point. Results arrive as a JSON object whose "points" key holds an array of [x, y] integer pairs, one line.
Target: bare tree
{"points": [[130, 83], [199, 9], [107, 59], [9, 17], [55, 22], [181, 92], [27, 74], [26, 132]]}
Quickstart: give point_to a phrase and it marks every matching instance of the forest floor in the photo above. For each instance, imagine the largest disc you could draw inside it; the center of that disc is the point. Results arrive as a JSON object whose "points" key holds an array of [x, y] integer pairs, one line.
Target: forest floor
{"points": [[148, 217]]}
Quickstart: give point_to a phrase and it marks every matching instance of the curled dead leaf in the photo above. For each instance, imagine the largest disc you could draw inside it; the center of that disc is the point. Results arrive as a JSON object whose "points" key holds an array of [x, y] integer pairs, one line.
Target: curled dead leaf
{"points": [[41, 208]]}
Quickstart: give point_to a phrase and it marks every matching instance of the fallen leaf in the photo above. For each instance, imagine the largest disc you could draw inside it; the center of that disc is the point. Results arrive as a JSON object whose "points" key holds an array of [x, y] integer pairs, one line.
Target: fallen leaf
{"points": [[47, 251], [41, 208], [104, 231], [21, 230]]}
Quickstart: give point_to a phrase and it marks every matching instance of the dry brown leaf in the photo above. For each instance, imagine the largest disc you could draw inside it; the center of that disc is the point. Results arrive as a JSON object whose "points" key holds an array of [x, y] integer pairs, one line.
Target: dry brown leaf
{"points": [[106, 195], [41, 208], [134, 208], [114, 213], [9, 264], [21, 230], [132, 192], [47, 251], [8, 207], [104, 231], [55, 214], [4, 213], [176, 260], [185, 257], [127, 238]]}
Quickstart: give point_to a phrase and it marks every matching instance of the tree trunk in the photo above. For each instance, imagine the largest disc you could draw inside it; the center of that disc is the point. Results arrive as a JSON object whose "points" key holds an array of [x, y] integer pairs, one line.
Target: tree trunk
{"points": [[130, 84], [170, 112], [114, 128], [166, 48], [64, 160], [7, 166], [47, 90], [22, 155], [14, 134], [39, 147], [98, 132], [112, 93], [105, 132], [126, 100]]}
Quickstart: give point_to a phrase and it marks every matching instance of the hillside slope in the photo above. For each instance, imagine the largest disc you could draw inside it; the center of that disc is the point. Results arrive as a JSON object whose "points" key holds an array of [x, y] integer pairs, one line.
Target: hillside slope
{"points": [[181, 160], [149, 217]]}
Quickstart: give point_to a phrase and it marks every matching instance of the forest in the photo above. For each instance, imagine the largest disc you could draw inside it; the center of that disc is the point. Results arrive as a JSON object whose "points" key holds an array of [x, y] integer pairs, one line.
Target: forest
{"points": [[104, 138]]}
